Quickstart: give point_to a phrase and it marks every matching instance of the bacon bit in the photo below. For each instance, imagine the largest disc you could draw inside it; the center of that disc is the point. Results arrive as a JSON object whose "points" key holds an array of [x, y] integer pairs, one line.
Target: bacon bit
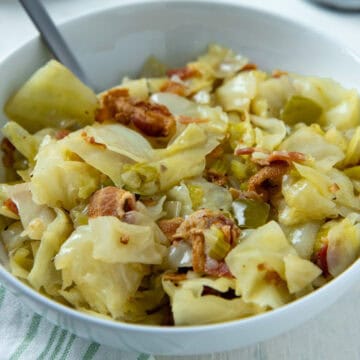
{"points": [[108, 108], [183, 119], [276, 156], [221, 270], [288, 156], [243, 195], [183, 73], [192, 230], [176, 277], [169, 226], [249, 66], [216, 153], [320, 259], [198, 253], [62, 133], [278, 73], [203, 219], [150, 118], [8, 149], [10, 205], [261, 267], [268, 175], [124, 239], [273, 277], [111, 201], [334, 188], [174, 88], [245, 151]]}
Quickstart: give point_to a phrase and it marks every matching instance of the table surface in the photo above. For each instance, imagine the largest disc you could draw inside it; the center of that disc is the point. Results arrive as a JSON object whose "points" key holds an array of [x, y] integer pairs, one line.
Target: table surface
{"points": [[334, 334]]}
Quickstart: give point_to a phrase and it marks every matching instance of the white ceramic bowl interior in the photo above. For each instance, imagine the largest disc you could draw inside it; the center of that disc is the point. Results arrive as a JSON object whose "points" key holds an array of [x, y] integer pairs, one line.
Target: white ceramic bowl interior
{"points": [[114, 43]]}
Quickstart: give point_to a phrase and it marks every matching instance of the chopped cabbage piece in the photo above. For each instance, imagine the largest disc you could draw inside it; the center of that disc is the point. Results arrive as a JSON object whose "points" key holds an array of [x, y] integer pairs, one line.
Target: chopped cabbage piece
{"points": [[52, 97], [190, 307], [71, 181], [306, 140], [43, 273], [105, 287]]}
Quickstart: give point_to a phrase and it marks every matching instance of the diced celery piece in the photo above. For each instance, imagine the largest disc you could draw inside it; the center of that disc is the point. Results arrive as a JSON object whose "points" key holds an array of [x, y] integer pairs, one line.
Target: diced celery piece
{"points": [[216, 245], [196, 195], [140, 178], [251, 213], [238, 169], [301, 109], [218, 167]]}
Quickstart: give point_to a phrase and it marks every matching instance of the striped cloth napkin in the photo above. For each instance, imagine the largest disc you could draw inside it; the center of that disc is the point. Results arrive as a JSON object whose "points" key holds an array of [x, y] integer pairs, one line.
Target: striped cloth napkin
{"points": [[25, 335]]}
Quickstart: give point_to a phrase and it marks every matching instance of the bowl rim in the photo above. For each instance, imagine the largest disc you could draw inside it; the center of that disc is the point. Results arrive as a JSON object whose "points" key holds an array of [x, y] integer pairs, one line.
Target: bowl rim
{"points": [[19, 286]]}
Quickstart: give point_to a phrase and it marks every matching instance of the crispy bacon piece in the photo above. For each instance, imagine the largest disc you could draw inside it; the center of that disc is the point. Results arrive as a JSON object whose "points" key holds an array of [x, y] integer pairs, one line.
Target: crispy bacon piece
{"points": [[286, 156], [111, 201], [8, 150], [174, 88], [268, 176], [249, 66], [204, 219], [198, 252], [169, 226], [192, 231], [60, 134], [183, 73], [245, 151], [10, 205], [150, 118]]}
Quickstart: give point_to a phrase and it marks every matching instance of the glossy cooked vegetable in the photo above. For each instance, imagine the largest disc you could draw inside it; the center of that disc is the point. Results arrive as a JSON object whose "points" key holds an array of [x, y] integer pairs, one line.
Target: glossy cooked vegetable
{"points": [[195, 195]]}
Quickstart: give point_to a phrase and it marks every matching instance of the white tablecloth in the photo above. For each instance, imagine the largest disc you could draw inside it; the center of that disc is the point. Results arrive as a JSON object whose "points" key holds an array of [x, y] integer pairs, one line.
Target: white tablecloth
{"points": [[332, 335]]}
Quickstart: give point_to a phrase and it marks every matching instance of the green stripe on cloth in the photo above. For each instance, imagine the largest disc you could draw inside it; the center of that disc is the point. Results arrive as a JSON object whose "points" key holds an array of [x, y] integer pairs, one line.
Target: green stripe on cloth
{"points": [[2, 295], [31, 333], [68, 347], [143, 357], [91, 351], [59, 344], [49, 343]]}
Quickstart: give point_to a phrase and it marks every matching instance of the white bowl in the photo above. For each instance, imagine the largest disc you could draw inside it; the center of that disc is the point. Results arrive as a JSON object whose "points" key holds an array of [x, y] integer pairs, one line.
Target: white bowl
{"points": [[113, 43]]}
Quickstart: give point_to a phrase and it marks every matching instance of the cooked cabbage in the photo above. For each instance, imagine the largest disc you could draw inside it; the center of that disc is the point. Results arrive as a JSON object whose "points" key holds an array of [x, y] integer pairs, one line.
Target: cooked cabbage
{"points": [[249, 200], [52, 97], [190, 307]]}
